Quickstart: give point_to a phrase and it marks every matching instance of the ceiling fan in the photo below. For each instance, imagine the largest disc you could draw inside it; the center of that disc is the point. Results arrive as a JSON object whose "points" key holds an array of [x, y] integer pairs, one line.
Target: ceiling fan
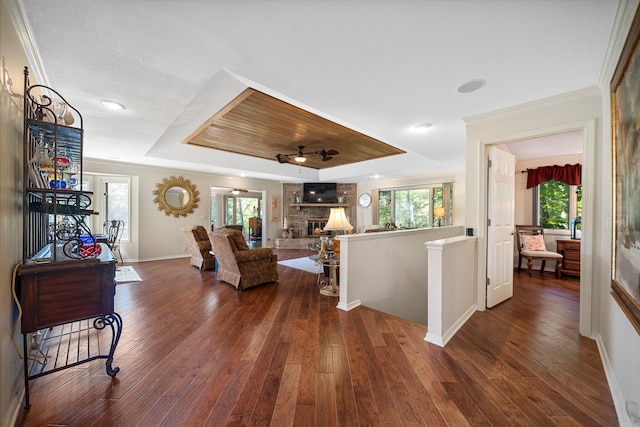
{"points": [[237, 191], [301, 157]]}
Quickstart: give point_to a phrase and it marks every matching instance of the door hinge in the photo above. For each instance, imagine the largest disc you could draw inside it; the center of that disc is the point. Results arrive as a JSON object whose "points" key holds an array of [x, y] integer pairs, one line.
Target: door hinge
{"points": [[488, 282], [489, 163], [488, 222]]}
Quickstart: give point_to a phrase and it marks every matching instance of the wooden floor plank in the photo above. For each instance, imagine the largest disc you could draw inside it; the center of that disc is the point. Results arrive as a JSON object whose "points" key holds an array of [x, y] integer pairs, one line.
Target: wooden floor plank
{"points": [[196, 351], [285, 406]]}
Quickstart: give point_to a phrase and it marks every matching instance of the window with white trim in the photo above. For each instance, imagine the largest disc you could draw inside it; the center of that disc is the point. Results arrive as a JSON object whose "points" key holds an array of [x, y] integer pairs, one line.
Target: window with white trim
{"points": [[416, 207], [555, 204]]}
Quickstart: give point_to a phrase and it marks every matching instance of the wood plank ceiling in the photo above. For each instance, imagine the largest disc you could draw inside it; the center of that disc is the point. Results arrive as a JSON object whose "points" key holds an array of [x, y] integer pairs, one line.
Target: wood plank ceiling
{"points": [[259, 125]]}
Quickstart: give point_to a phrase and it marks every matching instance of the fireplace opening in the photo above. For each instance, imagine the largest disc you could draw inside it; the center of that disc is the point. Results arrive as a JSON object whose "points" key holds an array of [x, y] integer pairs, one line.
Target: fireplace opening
{"points": [[315, 227]]}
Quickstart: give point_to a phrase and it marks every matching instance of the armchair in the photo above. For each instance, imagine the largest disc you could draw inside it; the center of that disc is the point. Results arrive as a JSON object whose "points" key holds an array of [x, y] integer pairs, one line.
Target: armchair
{"points": [[237, 264], [531, 246], [200, 246]]}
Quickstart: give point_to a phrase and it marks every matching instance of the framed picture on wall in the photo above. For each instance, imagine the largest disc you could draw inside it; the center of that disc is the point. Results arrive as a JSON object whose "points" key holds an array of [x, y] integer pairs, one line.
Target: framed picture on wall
{"points": [[625, 133], [274, 207]]}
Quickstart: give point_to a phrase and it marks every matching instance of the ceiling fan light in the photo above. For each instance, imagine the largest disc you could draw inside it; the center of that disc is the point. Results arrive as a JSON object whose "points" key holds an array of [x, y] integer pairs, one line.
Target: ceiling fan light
{"points": [[235, 192], [300, 159]]}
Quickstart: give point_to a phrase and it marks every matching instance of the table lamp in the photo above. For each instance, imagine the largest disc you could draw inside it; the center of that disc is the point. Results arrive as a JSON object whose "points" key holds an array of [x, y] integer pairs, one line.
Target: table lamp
{"points": [[337, 222], [439, 213]]}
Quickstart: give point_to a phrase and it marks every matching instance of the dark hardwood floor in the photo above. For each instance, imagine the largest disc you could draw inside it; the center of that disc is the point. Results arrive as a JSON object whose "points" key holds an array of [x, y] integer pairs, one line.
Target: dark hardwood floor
{"points": [[195, 351]]}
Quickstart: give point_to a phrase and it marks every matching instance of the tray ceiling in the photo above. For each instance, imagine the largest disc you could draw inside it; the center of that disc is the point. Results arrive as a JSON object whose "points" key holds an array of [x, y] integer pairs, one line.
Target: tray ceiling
{"points": [[259, 125]]}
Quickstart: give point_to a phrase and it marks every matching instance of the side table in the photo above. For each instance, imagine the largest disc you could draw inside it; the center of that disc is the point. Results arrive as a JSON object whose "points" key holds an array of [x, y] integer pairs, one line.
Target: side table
{"points": [[332, 289]]}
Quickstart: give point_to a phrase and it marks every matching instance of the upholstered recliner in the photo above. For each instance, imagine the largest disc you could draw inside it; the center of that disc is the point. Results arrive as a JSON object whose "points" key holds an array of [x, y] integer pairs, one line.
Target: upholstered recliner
{"points": [[237, 264], [200, 246]]}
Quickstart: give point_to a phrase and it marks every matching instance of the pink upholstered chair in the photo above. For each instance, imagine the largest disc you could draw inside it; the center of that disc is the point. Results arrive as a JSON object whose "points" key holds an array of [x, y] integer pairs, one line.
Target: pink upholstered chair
{"points": [[531, 246]]}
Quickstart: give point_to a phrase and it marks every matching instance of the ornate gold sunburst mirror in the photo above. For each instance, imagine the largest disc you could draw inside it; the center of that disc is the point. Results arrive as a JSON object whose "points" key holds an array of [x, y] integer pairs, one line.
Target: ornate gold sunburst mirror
{"points": [[176, 196]]}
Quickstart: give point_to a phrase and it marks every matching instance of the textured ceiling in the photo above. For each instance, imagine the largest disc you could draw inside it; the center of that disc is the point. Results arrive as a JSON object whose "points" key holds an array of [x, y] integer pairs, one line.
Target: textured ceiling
{"points": [[378, 68]]}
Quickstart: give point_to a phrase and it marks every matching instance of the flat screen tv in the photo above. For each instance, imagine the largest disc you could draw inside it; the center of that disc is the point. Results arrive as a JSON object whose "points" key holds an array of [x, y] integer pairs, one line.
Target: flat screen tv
{"points": [[320, 192]]}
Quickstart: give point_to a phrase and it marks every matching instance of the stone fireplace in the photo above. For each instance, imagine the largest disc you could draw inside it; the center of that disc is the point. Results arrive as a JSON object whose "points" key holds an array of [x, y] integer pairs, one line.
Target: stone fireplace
{"points": [[306, 220]]}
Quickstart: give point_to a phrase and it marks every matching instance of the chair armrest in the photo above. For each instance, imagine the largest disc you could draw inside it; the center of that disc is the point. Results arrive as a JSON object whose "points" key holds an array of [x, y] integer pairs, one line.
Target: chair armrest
{"points": [[249, 255]]}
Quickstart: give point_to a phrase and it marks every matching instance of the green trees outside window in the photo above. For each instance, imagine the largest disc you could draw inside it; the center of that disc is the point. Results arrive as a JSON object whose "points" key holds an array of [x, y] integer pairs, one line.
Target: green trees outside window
{"points": [[414, 207], [558, 203], [240, 209]]}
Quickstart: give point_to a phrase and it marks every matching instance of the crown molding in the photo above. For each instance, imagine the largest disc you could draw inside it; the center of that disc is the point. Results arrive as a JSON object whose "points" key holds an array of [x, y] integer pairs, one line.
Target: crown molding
{"points": [[575, 95], [36, 67], [621, 25]]}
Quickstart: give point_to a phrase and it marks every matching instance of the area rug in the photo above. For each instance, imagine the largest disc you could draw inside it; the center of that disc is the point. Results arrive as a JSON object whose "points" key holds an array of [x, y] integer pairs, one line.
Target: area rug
{"points": [[127, 274], [303, 263]]}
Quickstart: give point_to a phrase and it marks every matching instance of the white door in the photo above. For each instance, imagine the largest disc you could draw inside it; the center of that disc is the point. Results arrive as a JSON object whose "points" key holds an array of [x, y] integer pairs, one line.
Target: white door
{"points": [[500, 228]]}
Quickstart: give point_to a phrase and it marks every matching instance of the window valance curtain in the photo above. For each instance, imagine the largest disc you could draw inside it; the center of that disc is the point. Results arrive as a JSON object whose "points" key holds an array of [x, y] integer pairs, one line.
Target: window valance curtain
{"points": [[569, 174]]}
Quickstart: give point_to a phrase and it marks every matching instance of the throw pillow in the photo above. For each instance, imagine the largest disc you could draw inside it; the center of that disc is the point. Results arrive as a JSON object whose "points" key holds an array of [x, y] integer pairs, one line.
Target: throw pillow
{"points": [[533, 243], [241, 244]]}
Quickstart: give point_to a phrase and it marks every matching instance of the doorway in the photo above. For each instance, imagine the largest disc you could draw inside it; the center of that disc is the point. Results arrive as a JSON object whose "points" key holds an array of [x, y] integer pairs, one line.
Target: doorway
{"points": [[588, 133], [240, 207], [553, 205]]}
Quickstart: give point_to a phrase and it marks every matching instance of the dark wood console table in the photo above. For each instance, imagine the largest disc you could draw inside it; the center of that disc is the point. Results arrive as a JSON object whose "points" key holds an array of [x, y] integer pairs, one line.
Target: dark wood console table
{"points": [[67, 313]]}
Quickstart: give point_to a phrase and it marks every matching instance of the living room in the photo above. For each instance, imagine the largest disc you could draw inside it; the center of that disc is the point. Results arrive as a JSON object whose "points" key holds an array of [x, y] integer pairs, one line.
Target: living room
{"points": [[155, 236]]}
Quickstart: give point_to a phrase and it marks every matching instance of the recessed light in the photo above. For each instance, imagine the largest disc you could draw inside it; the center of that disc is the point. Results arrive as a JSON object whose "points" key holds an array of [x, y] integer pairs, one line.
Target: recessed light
{"points": [[423, 126], [112, 105], [472, 86]]}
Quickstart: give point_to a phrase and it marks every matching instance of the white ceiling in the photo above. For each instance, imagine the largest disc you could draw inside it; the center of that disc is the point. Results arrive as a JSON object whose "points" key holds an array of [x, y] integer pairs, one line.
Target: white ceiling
{"points": [[380, 67], [563, 144]]}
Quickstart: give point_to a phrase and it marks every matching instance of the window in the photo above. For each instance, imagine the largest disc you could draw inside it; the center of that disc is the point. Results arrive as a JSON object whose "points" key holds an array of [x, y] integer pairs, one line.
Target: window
{"points": [[116, 201], [416, 207], [214, 210], [556, 203]]}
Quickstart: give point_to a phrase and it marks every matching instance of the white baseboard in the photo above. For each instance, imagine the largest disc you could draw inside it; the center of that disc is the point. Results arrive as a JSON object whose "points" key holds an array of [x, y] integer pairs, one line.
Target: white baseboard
{"points": [[349, 306], [16, 404], [444, 339], [158, 258], [616, 394]]}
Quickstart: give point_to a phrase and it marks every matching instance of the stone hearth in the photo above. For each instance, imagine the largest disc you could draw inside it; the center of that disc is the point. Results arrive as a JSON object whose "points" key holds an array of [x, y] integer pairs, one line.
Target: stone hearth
{"points": [[302, 243]]}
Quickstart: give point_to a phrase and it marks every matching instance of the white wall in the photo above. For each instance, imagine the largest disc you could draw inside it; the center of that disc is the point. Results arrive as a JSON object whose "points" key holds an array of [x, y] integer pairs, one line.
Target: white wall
{"points": [[452, 287], [158, 236], [387, 270], [617, 338], [367, 216], [13, 61]]}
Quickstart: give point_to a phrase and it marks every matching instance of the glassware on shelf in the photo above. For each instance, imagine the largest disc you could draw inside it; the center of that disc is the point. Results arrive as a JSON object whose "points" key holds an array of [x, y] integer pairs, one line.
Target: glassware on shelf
{"points": [[40, 165], [54, 111], [63, 160], [43, 159]]}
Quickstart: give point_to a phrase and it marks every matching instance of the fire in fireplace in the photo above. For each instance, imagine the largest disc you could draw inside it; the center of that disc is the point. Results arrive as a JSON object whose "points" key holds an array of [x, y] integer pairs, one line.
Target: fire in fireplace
{"points": [[315, 226]]}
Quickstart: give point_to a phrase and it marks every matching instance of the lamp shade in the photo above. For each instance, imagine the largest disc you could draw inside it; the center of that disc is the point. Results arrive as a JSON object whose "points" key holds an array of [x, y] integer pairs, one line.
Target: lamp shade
{"points": [[438, 212], [338, 220]]}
